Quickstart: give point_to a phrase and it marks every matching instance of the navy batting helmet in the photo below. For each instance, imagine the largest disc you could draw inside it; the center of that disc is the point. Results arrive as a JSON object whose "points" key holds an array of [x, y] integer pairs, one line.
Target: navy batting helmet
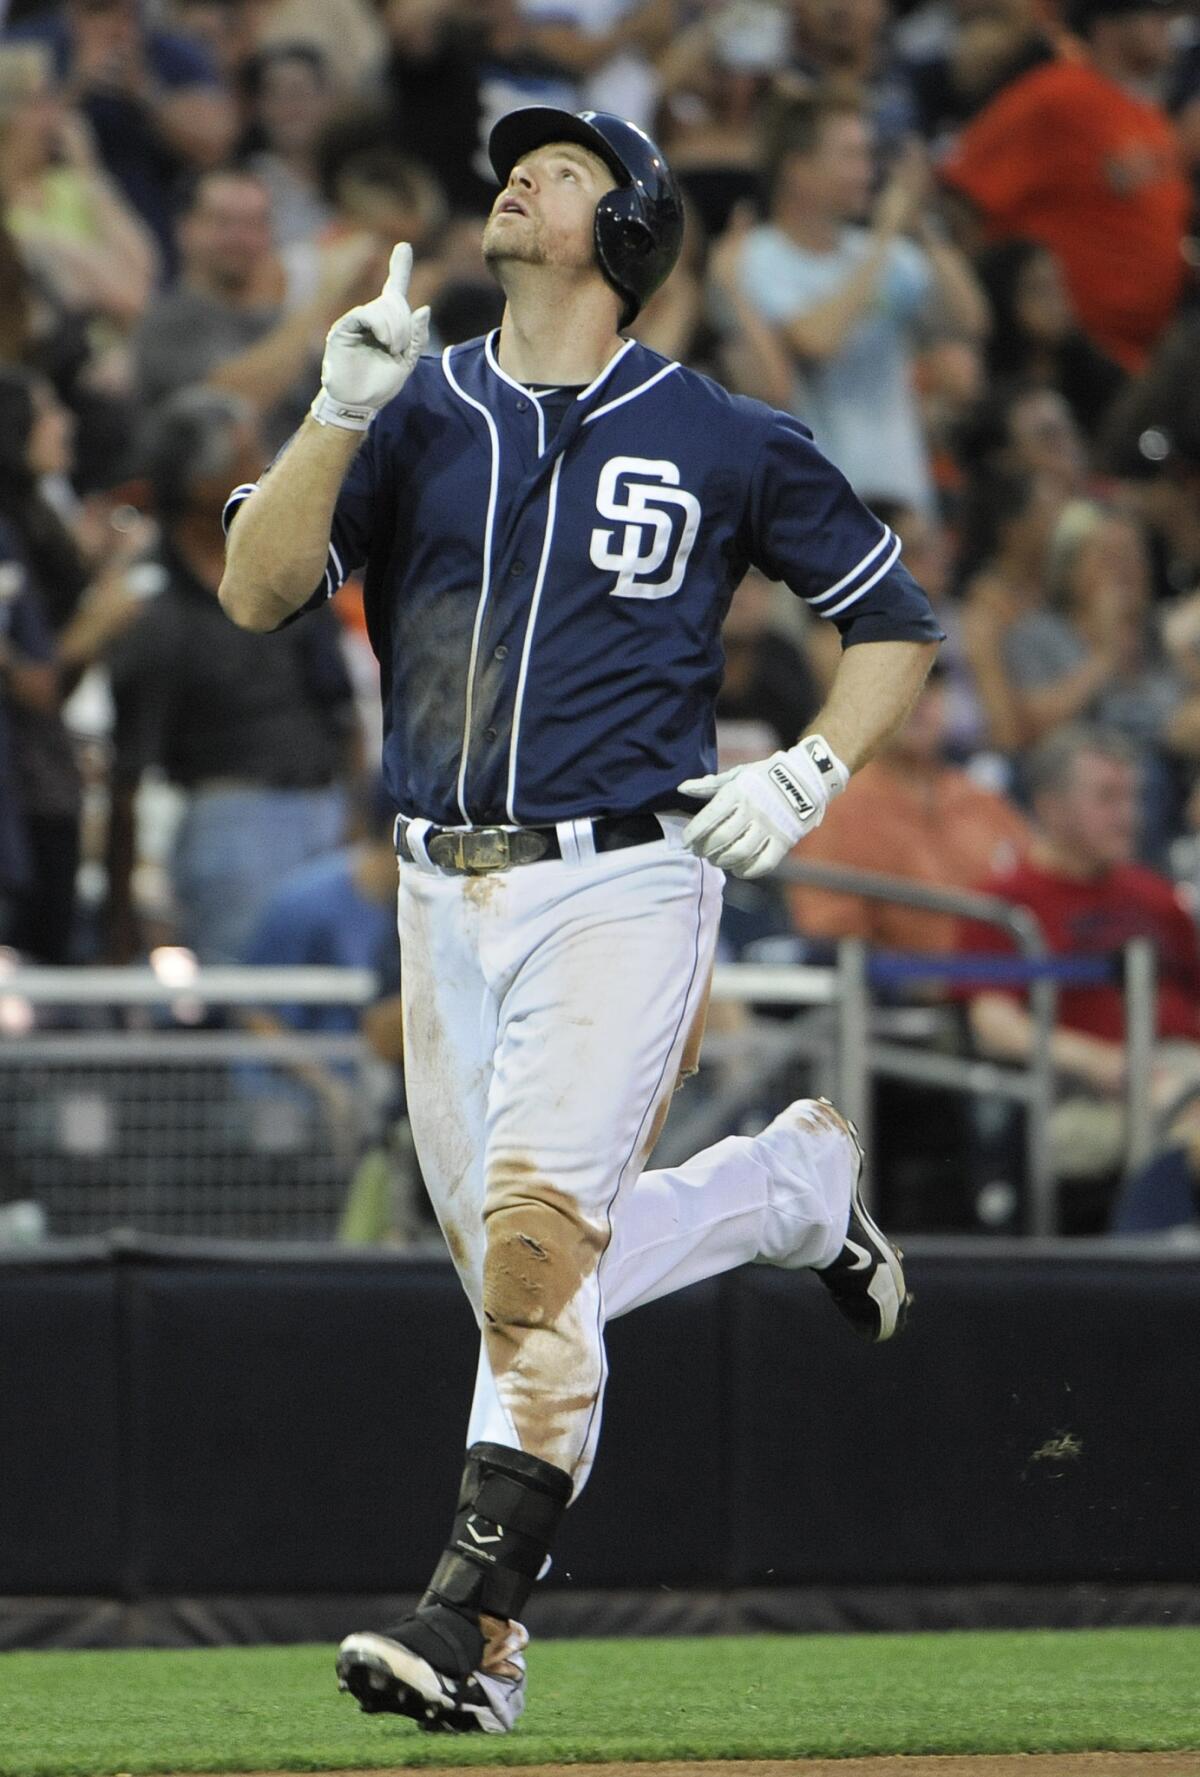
{"points": [[639, 225]]}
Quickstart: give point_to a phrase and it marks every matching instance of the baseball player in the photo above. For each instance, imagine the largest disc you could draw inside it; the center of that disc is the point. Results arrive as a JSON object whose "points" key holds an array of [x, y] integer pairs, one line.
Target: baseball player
{"points": [[552, 522]]}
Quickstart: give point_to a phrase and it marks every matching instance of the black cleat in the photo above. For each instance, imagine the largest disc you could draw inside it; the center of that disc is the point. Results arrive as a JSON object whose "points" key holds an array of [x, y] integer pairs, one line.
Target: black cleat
{"points": [[388, 1678], [866, 1279]]}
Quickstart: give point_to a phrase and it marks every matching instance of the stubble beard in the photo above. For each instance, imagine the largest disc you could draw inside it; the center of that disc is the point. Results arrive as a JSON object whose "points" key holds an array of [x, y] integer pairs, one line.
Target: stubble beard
{"points": [[526, 247]]}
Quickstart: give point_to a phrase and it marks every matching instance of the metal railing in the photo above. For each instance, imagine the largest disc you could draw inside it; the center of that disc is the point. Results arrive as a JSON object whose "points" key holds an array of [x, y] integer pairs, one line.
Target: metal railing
{"points": [[145, 1124], [149, 1104], [865, 1051]]}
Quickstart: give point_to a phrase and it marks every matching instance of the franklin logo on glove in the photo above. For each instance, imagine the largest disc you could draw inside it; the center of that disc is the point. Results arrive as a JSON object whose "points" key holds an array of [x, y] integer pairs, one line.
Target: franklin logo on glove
{"points": [[783, 780]]}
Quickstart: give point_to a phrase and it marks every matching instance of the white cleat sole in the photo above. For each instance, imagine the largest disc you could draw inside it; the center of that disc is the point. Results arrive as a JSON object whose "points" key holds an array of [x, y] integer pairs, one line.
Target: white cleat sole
{"points": [[384, 1676], [887, 1288]]}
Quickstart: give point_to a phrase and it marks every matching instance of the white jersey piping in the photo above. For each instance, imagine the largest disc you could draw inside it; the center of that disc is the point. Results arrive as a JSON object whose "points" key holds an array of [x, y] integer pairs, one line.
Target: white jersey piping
{"points": [[585, 394], [527, 646], [485, 581], [631, 394], [527, 394]]}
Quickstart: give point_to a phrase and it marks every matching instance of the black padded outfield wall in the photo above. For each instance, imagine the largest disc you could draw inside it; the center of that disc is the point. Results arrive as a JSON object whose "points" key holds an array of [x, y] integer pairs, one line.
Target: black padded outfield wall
{"points": [[202, 1444]]}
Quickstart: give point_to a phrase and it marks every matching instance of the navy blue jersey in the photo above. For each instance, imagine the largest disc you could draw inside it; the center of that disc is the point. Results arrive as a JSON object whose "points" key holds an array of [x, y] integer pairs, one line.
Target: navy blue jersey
{"points": [[546, 603]]}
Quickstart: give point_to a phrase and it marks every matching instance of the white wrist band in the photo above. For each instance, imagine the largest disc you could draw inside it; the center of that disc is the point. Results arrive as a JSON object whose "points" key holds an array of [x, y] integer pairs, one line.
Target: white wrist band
{"points": [[328, 412], [834, 775]]}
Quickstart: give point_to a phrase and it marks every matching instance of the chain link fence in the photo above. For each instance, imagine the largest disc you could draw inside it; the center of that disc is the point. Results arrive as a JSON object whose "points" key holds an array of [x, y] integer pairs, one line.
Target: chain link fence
{"points": [[155, 1125]]}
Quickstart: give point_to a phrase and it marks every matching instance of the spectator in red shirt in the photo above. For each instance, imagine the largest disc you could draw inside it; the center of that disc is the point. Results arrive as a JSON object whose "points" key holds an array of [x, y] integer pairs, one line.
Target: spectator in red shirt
{"points": [[1091, 899], [1075, 156]]}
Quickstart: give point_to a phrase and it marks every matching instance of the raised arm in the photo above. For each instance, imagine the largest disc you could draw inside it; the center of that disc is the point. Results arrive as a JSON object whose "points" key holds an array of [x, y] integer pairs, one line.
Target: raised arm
{"points": [[278, 547], [276, 552]]}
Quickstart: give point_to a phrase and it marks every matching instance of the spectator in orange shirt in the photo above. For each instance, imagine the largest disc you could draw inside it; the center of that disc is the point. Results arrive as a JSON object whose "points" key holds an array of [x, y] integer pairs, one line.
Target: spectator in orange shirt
{"points": [[912, 815], [1075, 156]]}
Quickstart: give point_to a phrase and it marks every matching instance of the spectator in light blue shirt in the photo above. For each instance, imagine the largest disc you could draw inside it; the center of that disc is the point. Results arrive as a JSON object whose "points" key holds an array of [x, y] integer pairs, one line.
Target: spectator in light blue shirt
{"points": [[338, 911], [844, 300]]}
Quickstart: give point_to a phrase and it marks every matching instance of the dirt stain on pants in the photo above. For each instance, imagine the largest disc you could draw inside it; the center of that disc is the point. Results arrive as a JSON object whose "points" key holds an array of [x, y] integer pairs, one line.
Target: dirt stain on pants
{"points": [[544, 1353]]}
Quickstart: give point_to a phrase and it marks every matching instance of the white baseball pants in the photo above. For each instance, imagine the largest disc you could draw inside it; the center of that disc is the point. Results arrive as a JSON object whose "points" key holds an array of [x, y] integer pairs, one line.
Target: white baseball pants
{"points": [[549, 1010]]}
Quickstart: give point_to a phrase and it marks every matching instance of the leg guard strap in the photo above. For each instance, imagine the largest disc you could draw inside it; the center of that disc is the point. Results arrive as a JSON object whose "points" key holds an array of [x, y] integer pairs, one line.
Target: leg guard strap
{"points": [[510, 1505], [451, 1641]]}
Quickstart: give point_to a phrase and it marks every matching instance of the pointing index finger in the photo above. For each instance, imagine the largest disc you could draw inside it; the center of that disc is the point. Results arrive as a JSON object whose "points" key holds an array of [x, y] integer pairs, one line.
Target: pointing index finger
{"points": [[399, 269]]}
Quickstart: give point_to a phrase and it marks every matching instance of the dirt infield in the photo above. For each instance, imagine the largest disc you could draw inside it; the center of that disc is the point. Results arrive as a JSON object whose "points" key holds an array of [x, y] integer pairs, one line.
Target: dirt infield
{"points": [[1009, 1764]]}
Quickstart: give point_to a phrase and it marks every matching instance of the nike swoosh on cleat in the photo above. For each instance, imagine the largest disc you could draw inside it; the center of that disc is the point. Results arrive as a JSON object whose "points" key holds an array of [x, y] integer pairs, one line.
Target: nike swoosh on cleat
{"points": [[862, 1258]]}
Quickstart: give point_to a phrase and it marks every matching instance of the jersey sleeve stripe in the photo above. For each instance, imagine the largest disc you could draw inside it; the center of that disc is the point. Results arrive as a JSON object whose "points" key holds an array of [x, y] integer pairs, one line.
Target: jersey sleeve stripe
{"points": [[818, 598], [866, 586], [235, 499], [335, 573]]}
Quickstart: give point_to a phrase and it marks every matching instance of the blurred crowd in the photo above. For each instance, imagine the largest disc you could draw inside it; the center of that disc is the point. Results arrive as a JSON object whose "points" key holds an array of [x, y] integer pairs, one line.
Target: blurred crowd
{"points": [[954, 236]]}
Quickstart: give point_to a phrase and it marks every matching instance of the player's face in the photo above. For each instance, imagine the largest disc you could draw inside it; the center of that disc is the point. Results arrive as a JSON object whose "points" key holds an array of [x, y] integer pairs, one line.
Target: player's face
{"points": [[544, 214]]}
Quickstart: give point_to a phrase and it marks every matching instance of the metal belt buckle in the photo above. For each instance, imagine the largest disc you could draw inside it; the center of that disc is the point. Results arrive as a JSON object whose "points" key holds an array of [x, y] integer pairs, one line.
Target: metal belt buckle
{"points": [[485, 849]]}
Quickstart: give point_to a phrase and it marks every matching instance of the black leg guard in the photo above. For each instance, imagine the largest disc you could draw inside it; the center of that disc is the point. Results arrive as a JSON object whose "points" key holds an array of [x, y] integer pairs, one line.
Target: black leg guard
{"points": [[509, 1508]]}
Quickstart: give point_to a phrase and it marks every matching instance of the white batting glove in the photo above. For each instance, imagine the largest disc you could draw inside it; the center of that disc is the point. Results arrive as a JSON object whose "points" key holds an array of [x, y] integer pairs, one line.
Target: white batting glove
{"points": [[756, 813], [370, 352]]}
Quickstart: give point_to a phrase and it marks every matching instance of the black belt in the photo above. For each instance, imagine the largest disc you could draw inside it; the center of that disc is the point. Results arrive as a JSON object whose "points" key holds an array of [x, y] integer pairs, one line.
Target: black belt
{"points": [[475, 851]]}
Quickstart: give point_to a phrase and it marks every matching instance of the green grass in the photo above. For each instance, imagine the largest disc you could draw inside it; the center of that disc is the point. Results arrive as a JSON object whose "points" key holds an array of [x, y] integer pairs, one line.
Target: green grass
{"points": [[254, 1709]]}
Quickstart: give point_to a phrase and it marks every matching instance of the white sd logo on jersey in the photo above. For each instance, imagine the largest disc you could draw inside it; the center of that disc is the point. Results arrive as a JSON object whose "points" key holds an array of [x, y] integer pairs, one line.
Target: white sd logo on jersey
{"points": [[660, 523]]}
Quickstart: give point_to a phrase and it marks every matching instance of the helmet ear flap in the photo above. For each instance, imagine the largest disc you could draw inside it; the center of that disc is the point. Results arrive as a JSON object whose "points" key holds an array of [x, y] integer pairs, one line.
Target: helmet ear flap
{"points": [[623, 238]]}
